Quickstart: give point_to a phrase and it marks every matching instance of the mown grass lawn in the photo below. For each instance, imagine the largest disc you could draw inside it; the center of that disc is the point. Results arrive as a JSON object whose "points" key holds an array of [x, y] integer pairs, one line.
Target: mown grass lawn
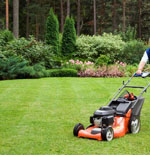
{"points": [[37, 116]]}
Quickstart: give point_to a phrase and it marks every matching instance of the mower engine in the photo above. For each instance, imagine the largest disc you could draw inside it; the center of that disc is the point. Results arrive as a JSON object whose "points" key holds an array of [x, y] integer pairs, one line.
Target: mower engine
{"points": [[103, 117]]}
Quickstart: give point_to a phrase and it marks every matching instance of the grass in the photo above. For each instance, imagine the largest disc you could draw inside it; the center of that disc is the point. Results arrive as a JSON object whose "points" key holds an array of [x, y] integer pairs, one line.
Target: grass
{"points": [[37, 116]]}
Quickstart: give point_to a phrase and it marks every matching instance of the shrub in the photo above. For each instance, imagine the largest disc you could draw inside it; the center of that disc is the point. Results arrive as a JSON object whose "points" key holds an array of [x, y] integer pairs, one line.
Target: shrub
{"points": [[130, 70], [90, 47], [69, 37], [62, 73], [128, 35], [16, 67], [52, 31], [9, 68], [102, 60], [104, 71], [132, 52], [5, 37], [31, 50]]}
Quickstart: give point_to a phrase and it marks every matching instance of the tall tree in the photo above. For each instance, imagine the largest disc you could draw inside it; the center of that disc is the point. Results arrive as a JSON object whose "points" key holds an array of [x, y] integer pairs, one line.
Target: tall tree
{"points": [[62, 15], [114, 15], [27, 18], [78, 17], [7, 15], [102, 14], [16, 18], [36, 27], [68, 8], [52, 31], [94, 8], [139, 17], [124, 16], [69, 37]]}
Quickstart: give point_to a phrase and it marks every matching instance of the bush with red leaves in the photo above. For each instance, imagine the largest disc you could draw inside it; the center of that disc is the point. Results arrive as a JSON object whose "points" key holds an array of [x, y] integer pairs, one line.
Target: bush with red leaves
{"points": [[104, 71]]}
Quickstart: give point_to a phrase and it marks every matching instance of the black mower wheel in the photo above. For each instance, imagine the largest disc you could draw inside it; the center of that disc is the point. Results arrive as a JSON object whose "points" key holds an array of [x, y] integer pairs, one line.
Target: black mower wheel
{"points": [[77, 128], [134, 125], [107, 134]]}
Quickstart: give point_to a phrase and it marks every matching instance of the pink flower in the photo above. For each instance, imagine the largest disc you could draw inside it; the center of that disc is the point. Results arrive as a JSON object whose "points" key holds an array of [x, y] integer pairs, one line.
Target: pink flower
{"points": [[72, 61]]}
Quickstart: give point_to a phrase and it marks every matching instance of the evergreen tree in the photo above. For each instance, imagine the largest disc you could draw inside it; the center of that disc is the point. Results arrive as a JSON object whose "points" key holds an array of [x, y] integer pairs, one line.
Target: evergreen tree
{"points": [[69, 37], [52, 31]]}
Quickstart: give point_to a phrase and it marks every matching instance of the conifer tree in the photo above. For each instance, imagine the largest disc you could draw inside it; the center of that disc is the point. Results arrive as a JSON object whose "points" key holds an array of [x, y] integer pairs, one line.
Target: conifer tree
{"points": [[52, 31], [69, 37]]}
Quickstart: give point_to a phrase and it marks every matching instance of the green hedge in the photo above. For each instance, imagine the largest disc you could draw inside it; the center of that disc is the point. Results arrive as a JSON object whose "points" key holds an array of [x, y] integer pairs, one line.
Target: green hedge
{"points": [[62, 73], [91, 47]]}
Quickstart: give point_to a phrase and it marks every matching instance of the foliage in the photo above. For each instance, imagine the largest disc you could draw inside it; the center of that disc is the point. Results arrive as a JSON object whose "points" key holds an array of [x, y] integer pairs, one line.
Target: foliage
{"points": [[62, 72], [128, 35], [132, 52], [31, 50], [69, 37], [5, 37], [104, 71], [52, 31], [130, 70], [102, 60], [90, 47], [15, 67]]}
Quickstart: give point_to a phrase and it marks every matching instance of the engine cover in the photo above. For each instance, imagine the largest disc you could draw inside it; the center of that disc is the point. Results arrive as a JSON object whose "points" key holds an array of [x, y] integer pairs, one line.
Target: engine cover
{"points": [[100, 113]]}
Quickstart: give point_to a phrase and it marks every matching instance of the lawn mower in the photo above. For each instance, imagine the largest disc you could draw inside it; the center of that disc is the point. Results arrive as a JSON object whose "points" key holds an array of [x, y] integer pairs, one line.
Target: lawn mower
{"points": [[120, 116]]}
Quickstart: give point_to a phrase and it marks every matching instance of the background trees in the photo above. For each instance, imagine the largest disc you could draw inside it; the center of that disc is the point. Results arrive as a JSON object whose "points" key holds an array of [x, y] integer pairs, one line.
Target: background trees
{"points": [[105, 16]]}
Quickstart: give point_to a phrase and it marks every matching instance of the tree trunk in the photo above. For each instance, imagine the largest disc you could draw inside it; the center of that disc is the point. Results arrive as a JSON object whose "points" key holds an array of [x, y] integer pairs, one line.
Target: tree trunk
{"points": [[139, 20], [124, 16], [37, 28], [7, 15], [68, 8], [94, 6], [114, 15], [102, 14], [78, 18], [62, 15], [27, 19], [16, 18]]}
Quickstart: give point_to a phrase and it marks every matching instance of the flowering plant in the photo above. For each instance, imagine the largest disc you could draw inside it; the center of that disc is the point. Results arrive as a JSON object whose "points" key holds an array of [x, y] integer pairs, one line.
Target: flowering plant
{"points": [[78, 65]]}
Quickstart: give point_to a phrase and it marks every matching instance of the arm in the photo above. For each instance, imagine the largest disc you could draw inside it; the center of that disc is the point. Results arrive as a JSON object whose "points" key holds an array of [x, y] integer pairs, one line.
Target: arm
{"points": [[141, 66], [142, 63]]}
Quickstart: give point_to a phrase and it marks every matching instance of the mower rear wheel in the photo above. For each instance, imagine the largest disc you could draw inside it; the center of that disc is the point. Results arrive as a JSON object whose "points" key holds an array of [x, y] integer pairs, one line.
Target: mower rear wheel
{"points": [[107, 134], [134, 125], [77, 128]]}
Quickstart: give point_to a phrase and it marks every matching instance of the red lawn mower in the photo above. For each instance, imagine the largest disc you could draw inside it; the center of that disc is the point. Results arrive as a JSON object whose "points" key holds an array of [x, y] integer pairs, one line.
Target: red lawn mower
{"points": [[120, 116]]}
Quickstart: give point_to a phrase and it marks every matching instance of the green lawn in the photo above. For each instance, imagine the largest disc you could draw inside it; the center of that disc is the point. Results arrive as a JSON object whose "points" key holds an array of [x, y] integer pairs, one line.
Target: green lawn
{"points": [[37, 116]]}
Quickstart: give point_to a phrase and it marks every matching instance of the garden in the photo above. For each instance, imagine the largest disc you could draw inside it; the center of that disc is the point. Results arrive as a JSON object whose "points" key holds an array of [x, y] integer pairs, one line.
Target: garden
{"points": [[68, 55], [49, 85]]}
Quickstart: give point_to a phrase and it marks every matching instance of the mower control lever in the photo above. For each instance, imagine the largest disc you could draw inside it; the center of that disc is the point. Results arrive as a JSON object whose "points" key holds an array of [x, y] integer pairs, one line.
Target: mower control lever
{"points": [[145, 74]]}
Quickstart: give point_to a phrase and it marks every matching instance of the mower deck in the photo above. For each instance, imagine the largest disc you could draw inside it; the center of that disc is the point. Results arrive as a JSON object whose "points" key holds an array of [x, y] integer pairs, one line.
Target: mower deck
{"points": [[120, 128]]}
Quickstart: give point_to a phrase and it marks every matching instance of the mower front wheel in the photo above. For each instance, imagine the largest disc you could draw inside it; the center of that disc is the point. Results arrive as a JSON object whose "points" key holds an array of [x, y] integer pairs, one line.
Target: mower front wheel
{"points": [[107, 134], [77, 128]]}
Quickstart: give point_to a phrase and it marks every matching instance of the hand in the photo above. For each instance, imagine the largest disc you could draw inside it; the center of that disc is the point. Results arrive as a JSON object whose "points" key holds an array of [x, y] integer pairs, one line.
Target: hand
{"points": [[138, 71]]}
